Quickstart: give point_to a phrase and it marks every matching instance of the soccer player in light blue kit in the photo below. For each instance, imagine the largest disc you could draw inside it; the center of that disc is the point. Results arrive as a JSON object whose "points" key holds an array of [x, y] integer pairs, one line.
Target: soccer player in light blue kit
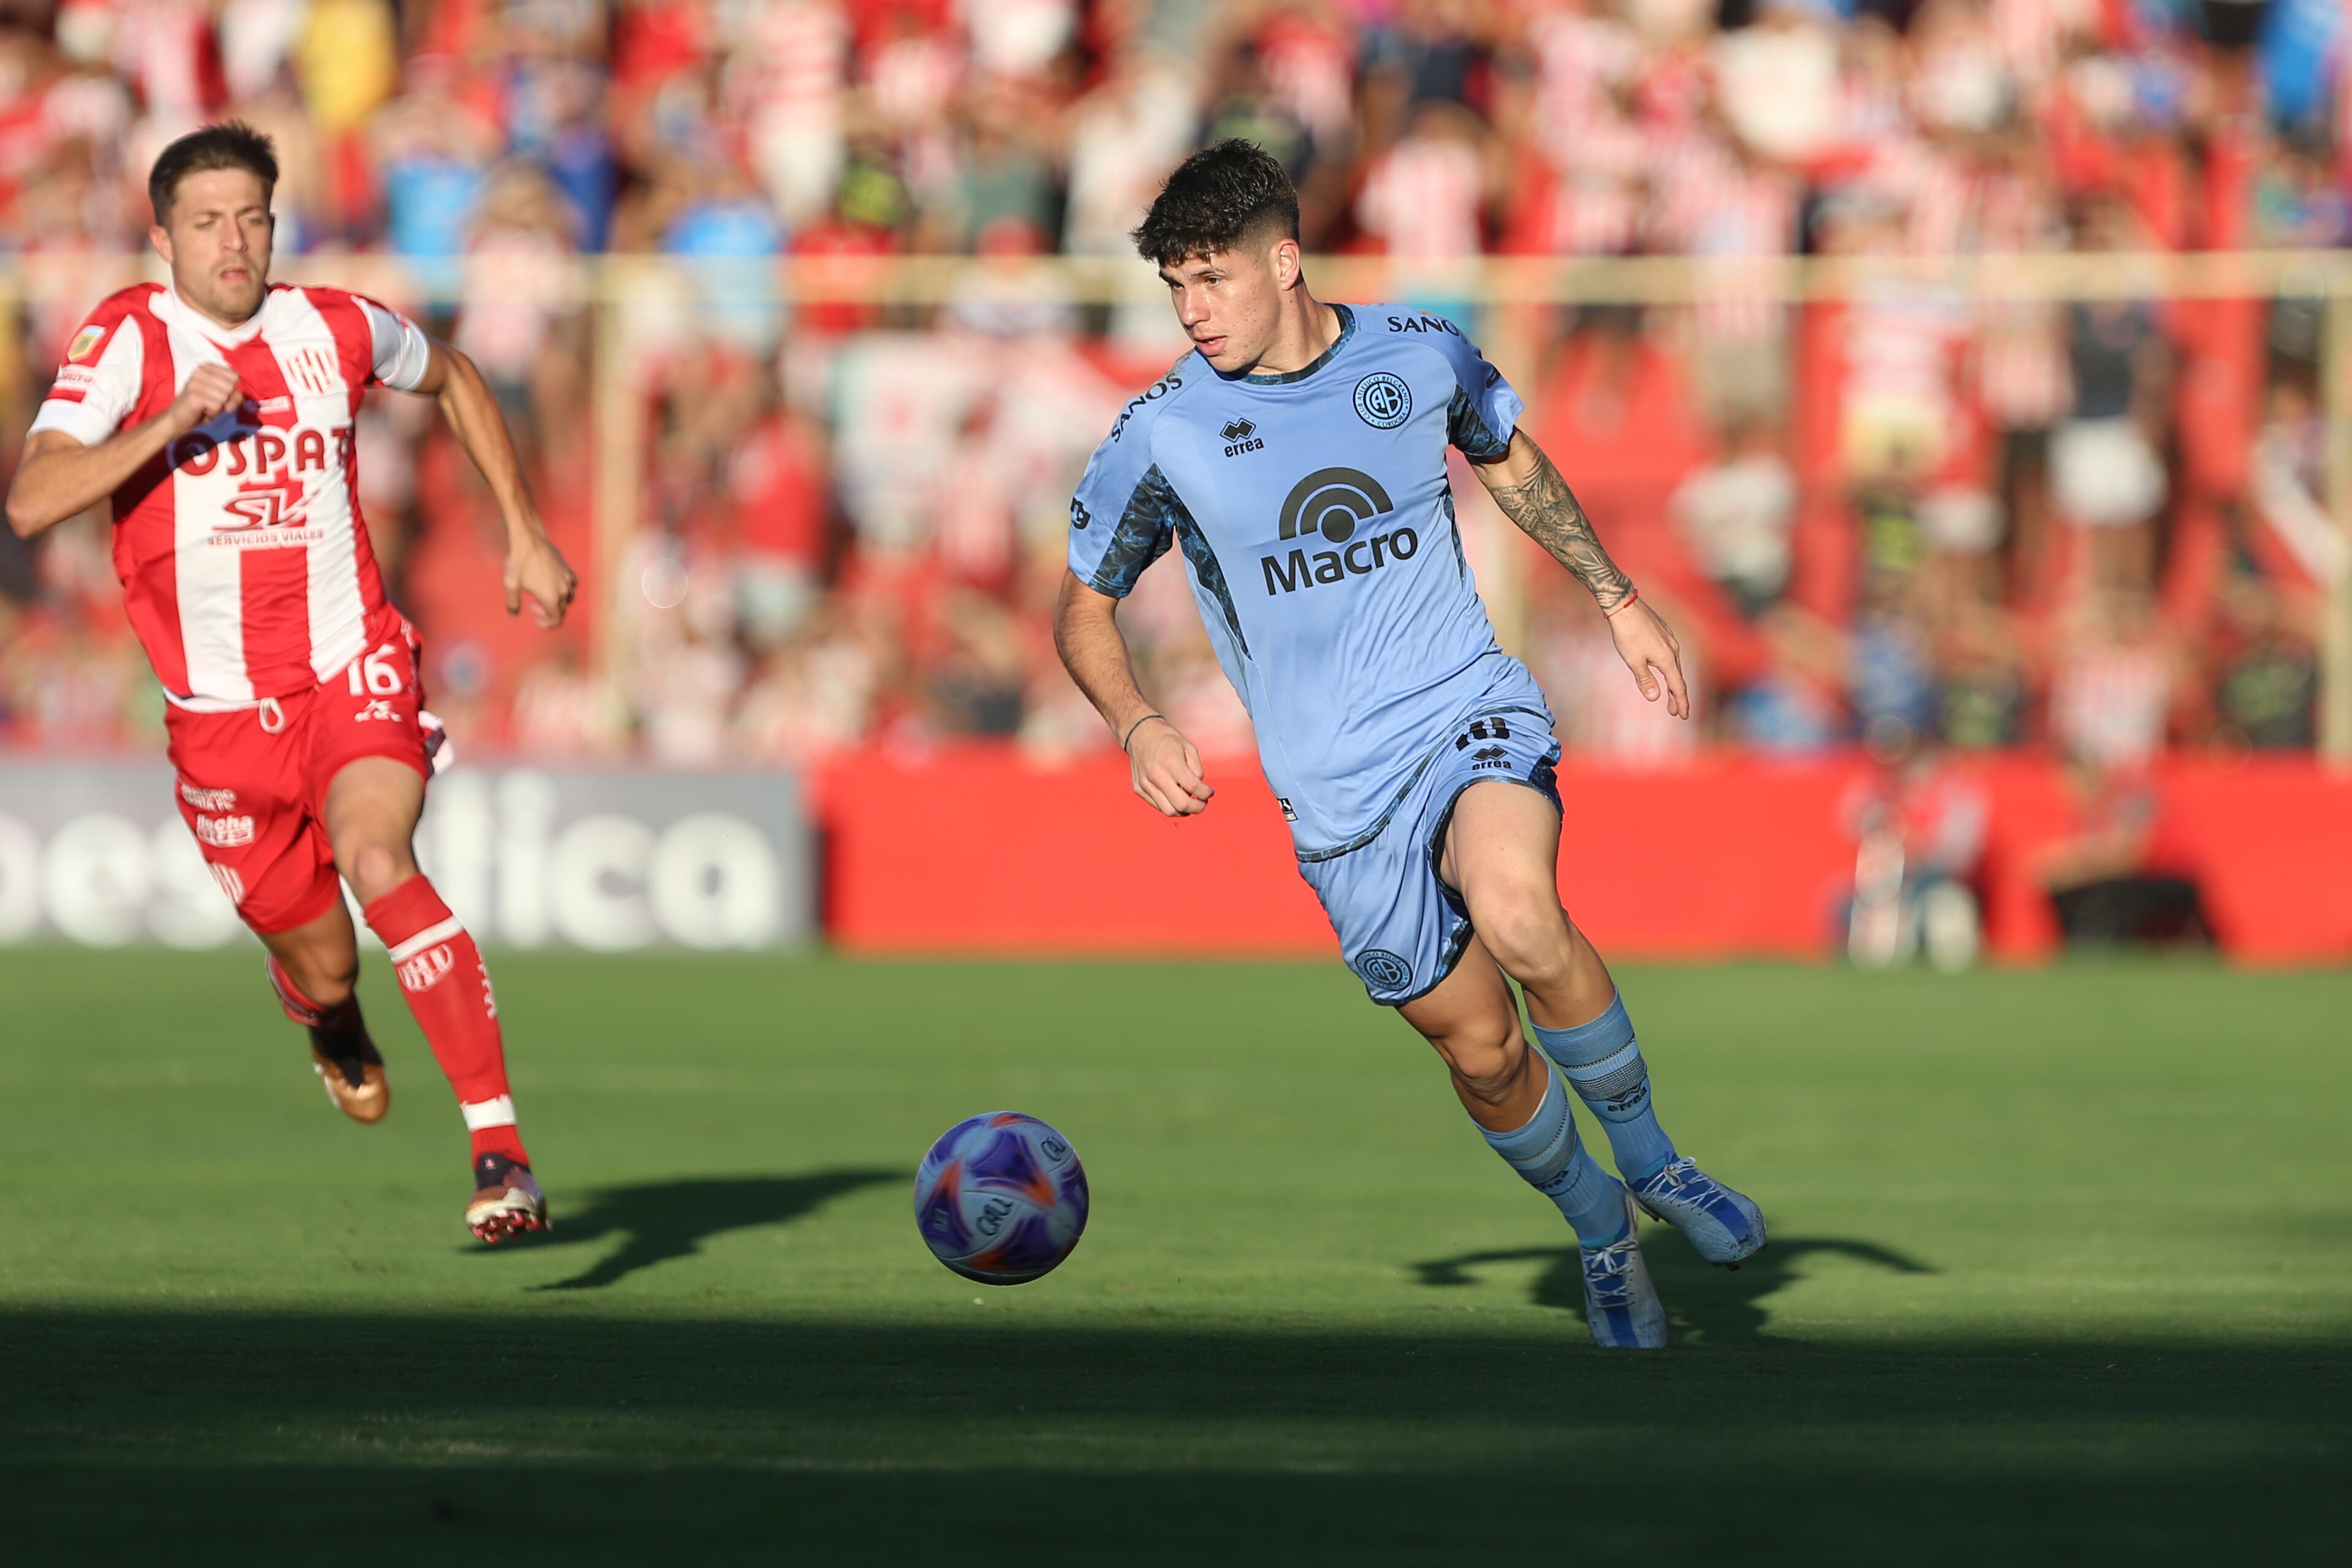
{"points": [[1296, 459]]}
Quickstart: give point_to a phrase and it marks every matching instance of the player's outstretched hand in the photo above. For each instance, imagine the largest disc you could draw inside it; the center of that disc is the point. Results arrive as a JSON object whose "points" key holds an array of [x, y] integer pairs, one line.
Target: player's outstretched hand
{"points": [[1166, 770], [1651, 652], [535, 567], [211, 392]]}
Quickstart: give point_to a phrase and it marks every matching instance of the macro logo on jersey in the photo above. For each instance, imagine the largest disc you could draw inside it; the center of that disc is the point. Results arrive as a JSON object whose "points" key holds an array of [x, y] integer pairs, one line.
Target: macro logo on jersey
{"points": [[1242, 436], [1383, 970], [1331, 504], [1384, 401]]}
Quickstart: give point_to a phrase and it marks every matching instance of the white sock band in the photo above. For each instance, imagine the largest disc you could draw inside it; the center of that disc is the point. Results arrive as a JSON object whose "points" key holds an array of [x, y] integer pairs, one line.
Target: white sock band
{"points": [[425, 938], [481, 1113]]}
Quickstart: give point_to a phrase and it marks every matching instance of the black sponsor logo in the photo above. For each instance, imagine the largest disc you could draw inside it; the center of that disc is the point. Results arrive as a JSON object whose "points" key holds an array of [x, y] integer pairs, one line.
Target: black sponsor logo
{"points": [[1288, 814], [1384, 401], [1486, 756], [1424, 323], [1330, 504], [1495, 729], [1079, 516], [1383, 970], [1151, 394], [1242, 436]]}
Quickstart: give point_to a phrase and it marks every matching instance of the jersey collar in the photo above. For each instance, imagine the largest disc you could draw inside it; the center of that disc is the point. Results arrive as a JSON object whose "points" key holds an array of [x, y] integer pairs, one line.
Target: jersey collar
{"points": [[1347, 330], [176, 309]]}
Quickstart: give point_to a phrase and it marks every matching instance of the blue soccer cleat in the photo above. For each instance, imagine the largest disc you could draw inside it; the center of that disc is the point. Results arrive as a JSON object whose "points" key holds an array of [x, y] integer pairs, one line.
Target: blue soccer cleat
{"points": [[1620, 1305], [1725, 1227]]}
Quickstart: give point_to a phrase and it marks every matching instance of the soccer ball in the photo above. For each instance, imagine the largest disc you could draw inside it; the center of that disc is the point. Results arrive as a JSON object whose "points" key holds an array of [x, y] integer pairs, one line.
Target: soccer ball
{"points": [[1001, 1198]]}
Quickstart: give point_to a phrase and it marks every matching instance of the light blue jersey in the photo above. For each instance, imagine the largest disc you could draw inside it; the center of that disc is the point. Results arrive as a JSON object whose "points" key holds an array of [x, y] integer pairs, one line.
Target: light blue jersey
{"points": [[1317, 529]]}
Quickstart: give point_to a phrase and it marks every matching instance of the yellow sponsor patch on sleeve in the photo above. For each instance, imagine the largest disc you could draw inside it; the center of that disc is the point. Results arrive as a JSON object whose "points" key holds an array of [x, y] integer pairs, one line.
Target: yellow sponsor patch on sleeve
{"points": [[86, 340]]}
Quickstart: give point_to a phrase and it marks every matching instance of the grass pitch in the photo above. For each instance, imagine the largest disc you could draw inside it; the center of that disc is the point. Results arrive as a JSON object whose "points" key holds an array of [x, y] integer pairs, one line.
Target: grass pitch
{"points": [[2061, 1271]]}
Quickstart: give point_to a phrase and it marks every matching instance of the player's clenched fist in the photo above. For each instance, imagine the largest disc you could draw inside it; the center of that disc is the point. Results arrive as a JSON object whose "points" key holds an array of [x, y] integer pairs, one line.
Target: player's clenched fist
{"points": [[1166, 769], [212, 391]]}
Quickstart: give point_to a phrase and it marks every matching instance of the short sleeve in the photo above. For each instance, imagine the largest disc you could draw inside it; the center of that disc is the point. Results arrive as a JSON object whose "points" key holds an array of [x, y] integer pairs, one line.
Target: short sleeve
{"points": [[1483, 411], [1123, 516], [399, 352], [98, 383]]}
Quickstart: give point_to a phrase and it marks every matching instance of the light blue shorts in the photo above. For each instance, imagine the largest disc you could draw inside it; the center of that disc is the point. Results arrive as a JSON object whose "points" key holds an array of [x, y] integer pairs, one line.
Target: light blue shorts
{"points": [[1400, 928]]}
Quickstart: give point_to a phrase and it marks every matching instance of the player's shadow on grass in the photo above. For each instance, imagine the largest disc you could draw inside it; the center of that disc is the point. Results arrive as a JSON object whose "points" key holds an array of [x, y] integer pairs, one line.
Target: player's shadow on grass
{"points": [[1712, 1305], [665, 1219]]}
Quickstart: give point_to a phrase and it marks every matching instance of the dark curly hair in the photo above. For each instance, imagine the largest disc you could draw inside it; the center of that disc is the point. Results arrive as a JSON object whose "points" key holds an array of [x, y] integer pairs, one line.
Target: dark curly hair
{"points": [[1214, 198], [232, 144]]}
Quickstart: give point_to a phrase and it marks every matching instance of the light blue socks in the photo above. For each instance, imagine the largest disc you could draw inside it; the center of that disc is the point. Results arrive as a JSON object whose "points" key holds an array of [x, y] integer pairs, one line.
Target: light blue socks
{"points": [[1549, 1154], [1603, 1061]]}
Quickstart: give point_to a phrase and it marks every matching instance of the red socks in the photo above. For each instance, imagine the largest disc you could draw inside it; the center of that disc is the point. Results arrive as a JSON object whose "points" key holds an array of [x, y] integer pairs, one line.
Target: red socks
{"points": [[448, 989]]}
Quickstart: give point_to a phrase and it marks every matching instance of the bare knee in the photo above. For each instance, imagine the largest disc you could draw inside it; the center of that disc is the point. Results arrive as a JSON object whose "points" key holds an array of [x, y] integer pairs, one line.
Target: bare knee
{"points": [[1486, 1062], [1528, 933], [374, 868]]}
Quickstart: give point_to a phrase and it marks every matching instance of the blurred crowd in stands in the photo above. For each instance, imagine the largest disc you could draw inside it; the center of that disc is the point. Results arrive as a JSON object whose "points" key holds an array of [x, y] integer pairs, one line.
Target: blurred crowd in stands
{"points": [[1906, 519]]}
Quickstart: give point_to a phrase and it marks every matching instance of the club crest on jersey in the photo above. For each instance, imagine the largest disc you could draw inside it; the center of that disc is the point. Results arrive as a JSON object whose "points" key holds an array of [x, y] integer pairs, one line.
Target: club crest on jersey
{"points": [[88, 339], [1384, 401], [426, 970]]}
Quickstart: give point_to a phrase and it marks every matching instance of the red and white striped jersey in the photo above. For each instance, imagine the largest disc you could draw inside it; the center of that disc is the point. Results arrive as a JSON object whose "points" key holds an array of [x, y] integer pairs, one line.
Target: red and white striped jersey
{"points": [[245, 563]]}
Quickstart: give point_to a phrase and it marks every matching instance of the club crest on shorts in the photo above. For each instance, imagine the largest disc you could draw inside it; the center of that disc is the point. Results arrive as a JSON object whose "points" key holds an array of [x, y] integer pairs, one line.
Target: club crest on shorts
{"points": [[1384, 401], [1383, 970]]}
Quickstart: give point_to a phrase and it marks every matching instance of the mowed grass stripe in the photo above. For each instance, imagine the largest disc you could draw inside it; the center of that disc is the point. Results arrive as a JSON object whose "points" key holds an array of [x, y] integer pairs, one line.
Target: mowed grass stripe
{"points": [[2059, 1262]]}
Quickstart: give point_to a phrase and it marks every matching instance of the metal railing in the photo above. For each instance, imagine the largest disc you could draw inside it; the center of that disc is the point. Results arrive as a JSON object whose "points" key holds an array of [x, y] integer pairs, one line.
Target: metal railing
{"points": [[1504, 289]]}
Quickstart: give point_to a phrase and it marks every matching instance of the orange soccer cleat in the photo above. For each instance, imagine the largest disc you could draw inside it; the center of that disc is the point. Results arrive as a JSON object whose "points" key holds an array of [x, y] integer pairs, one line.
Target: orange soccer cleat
{"points": [[353, 1078]]}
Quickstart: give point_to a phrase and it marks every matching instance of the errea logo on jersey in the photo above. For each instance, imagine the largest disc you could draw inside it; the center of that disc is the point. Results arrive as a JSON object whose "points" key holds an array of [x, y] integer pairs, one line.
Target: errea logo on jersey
{"points": [[1331, 504], [1241, 436]]}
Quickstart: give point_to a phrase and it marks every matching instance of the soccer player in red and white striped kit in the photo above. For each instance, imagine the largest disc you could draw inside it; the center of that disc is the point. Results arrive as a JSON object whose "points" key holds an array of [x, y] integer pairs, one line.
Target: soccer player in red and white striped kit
{"points": [[216, 413]]}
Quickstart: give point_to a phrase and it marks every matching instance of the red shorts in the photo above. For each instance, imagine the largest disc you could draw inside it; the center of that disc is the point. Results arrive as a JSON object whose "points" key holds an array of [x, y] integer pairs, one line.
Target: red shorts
{"points": [[253, 783]]}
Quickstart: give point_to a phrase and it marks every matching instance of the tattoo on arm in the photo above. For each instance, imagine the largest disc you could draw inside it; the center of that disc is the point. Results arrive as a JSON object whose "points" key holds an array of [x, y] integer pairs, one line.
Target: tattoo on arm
{"points": [[1547, 513]]}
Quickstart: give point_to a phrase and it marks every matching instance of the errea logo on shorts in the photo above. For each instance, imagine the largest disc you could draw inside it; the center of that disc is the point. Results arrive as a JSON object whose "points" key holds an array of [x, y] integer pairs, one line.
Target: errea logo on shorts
{"points": [[225, 832], [204, 800]]}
